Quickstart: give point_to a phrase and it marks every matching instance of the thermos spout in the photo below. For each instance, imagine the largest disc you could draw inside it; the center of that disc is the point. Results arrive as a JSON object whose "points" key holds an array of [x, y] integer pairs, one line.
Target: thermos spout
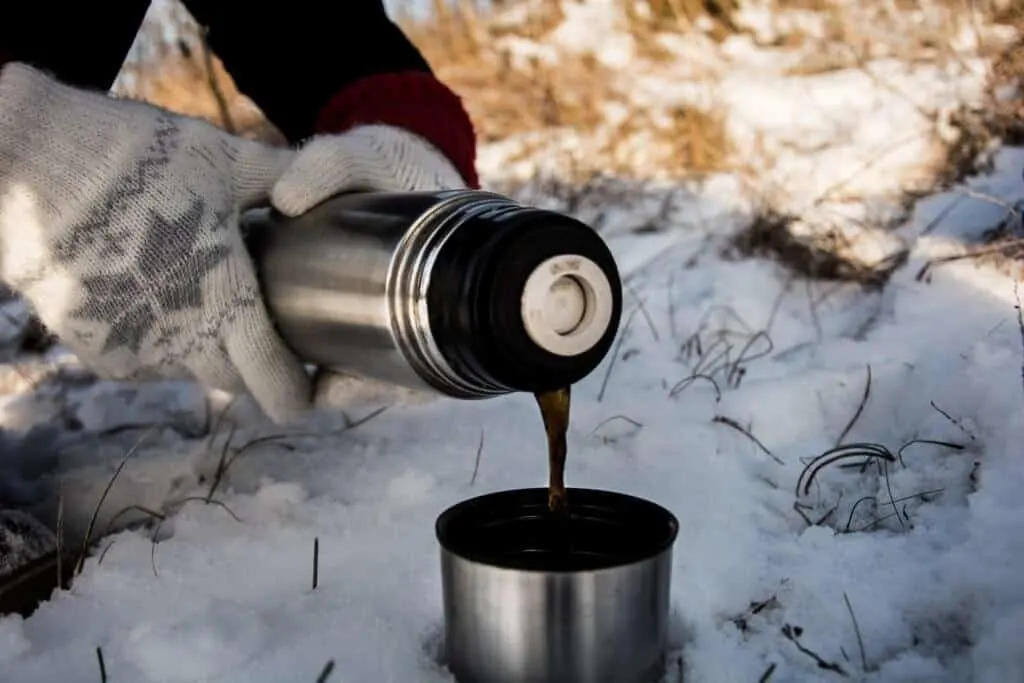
{"points": [[463, 292]]}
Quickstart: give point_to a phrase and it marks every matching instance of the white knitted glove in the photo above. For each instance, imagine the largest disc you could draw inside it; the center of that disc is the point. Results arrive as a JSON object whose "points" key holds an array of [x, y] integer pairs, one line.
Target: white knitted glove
{"points": [[118, 223], [371, 157]]}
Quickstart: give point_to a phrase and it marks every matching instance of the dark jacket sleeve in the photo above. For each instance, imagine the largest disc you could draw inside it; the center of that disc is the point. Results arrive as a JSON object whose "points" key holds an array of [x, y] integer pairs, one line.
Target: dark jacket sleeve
{"points": [[324, 66]]}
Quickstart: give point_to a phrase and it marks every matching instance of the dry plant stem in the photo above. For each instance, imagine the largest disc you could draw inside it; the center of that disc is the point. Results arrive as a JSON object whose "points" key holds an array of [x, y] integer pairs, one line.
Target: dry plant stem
{"points": [[865, 167], [103, 666], [220, 418], [96, 511], [152, 514], [476, 461], [179, 505], [860, 409], [316, 562], [856, 631], [812, 308], [729, 422], [211, 80], [1020, 326], [60, 533], [792, 634], [922, 495], [777, 304], [955, 422], [608, 420], [869, 451], [673, 328], [930, 442], [767, 675], [687, 381], [325, 673], [971, 253], [937, 221], [615, 353], [736, 371], [222, 463], [226, 462], [641, 304]]}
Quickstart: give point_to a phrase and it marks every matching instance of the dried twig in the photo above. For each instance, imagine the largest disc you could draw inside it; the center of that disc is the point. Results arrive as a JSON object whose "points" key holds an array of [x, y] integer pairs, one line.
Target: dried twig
{"points": [[316, 562], [682, 384], [615, 353], [152, 514], [955, 422], [103, 666], [325, 673], [729, 422], [176, 507], [222, 464], [856, 630], [812, 308], [211, 80], [969, 254], [1020, 325], [608, 420], [923, 495], [736, 371], [868, 451], [860, 408], [202, 499], [225, 462], [99, 504], [931, 442], [793, 633], [60, 533], [476, 461], [641, 304], [777, 304]]}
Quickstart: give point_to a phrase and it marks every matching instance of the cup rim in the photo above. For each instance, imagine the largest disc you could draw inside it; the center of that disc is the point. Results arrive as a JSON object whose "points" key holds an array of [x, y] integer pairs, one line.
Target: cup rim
{"points": [[454, 528]]}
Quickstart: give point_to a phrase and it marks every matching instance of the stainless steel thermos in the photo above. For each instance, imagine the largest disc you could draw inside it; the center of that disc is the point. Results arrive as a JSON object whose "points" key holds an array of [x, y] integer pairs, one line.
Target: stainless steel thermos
{"points": [[464, 292]]}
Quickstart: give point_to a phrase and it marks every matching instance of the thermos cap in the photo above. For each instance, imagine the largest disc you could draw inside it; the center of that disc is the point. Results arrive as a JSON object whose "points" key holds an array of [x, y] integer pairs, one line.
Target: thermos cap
{"points": [[567, 304]]}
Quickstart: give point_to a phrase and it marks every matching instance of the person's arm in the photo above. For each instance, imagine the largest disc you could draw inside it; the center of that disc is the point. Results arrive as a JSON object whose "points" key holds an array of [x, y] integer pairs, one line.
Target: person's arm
{"points": [[314, 66]]}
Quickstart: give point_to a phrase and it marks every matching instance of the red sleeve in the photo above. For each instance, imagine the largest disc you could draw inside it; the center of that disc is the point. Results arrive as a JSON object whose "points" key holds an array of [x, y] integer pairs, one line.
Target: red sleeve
{"points": [[413, 100]]}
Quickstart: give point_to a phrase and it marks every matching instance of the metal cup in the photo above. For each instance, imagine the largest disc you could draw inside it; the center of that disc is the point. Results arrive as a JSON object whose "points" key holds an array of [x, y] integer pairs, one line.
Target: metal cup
{"points": [[532, 597]]}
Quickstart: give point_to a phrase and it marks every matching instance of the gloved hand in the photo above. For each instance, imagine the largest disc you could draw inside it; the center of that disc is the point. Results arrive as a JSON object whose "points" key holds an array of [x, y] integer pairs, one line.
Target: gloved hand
{"points": [[371, 157], [119, 224]]}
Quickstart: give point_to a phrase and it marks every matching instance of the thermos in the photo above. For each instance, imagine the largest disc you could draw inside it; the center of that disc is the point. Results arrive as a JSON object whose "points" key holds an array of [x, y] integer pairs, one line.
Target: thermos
{"points": [[466, 293]]}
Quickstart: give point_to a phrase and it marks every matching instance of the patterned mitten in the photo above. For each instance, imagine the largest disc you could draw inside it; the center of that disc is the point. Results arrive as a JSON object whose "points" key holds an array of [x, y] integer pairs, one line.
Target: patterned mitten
{"points": [[119, 224]]}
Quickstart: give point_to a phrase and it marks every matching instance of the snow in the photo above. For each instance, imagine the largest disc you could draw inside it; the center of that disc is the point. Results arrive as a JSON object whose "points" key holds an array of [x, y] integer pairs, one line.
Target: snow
{"points": [[226, 595]]}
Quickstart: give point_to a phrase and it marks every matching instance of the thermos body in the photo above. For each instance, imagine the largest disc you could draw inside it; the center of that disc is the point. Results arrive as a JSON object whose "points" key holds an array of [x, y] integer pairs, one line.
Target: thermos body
{"points": [[462, 292]]}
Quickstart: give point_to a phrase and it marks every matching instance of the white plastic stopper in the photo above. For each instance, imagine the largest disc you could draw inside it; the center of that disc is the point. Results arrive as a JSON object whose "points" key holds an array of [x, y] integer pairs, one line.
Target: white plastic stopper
{"points": [[567, 304]]}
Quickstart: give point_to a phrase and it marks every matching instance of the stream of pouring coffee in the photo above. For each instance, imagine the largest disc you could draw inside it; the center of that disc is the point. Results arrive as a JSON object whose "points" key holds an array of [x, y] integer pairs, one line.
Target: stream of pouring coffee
{"points": [[554, 410]]}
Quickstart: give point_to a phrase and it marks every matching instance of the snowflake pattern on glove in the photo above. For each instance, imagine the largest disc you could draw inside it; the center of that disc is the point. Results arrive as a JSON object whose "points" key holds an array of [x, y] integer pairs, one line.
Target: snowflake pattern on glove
{"points": [[157, 280], [143, 251]]}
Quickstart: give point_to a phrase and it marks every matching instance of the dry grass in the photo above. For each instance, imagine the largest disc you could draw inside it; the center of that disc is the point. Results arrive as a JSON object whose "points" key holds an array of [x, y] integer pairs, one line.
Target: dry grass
{"points": [[573, 108], [509, 93], [1006, 92], [186, 77]]}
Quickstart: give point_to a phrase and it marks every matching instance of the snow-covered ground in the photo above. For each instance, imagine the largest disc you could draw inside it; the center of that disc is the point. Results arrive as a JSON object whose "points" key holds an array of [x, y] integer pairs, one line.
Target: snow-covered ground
{"points": [[921, 557]]}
